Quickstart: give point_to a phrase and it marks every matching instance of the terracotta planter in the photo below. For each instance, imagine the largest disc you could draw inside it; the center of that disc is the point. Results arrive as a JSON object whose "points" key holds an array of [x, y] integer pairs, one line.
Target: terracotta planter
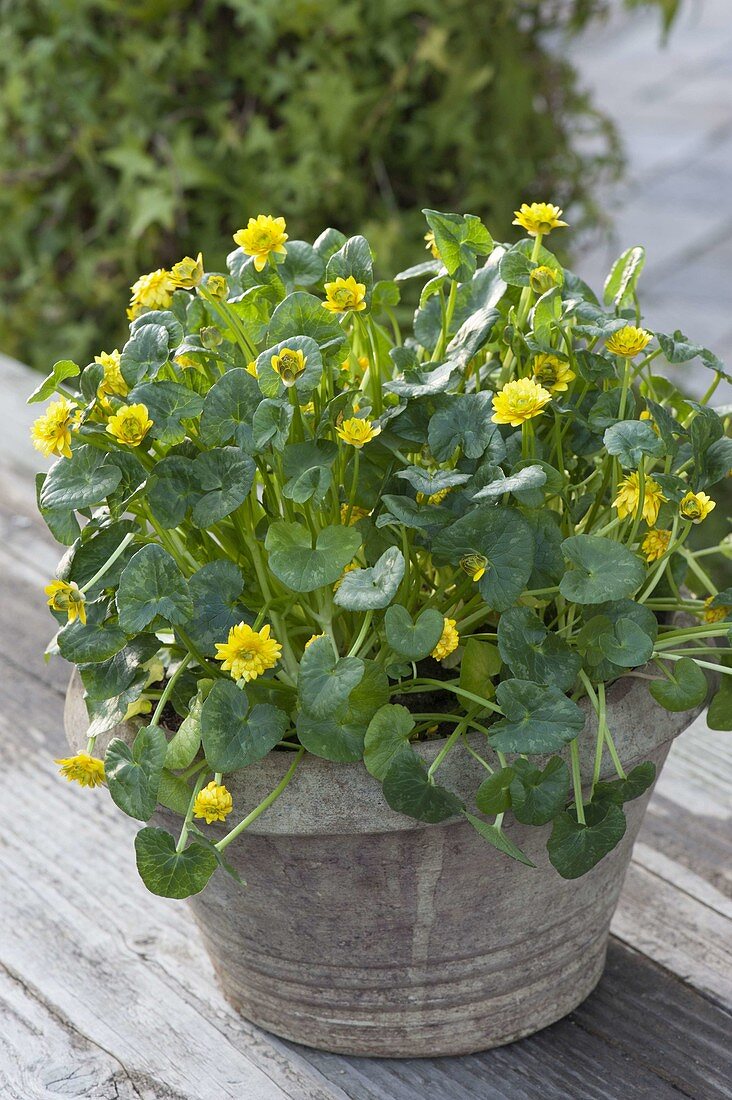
{"points": [[366, 933]]}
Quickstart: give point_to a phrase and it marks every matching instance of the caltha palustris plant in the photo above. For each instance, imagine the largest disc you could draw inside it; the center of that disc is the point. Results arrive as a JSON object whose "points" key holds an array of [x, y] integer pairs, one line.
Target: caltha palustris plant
{"points": [[294, 527]]}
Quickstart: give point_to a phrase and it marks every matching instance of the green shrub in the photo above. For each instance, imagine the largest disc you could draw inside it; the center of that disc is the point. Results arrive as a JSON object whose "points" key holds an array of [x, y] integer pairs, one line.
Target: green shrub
{"points": [[131, 132]]}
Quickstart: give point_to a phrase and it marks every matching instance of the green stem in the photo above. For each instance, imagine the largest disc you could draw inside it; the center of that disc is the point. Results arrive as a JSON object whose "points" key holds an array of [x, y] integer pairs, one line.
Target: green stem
{"points": [[577, 781], [189, 813], [168, 690], [263, 805], [109, 562]]}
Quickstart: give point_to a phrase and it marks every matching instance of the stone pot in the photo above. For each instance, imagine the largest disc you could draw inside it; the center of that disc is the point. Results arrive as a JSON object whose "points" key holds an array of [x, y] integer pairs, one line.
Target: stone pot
{"points": [[364, 932]]}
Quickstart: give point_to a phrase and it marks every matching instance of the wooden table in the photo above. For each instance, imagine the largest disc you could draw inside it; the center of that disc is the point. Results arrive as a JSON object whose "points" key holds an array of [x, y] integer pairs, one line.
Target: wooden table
{"points": [[105, 990]]}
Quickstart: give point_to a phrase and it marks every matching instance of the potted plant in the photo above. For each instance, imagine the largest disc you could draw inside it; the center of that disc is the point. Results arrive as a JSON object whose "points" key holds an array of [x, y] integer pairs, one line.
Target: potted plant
{"points": [[394, 626]]}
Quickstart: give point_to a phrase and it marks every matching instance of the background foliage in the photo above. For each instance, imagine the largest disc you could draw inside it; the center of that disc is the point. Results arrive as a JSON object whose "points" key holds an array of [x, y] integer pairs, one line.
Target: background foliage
{"points": [[133, 133]]}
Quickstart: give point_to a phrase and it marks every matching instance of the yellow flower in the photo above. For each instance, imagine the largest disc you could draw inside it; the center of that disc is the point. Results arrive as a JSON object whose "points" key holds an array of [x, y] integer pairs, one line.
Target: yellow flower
{"points": [[431, 246], [696, 506], [113, 380], [628, 498], [84, 769], [655, 544], [349, 569], [252, 369], [542, 279], [646, 415], [140, 706], [289, 365], [433, 498], [308, 409], [313, 638], [130, 424], [449, 641], [356, 514], [248, 653], [344, 294], [262, 236], [519, 401], [188, 272], [552, 373], [474, 565], [715, 614], [51, 432], [357, 432], [628, 341], [214, 803], [67, 596], [217, 286], [151, 291], [538, 218]]}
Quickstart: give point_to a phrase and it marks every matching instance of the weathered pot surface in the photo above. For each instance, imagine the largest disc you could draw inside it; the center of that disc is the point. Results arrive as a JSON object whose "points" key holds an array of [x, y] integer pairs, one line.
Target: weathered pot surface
{"points": [[364, 932]]}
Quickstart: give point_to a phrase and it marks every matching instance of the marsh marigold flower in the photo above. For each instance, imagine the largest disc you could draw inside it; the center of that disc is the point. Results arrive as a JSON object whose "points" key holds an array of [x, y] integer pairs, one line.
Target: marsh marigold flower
{"points": [[431, 244], [51, 432], [449, 641], [213, 803], [433, 498], [552, 373], [357, 432], [263, 236], [628, 341], [519, 401], [474, 565], [151, 291], [112, 382], [130, 424], [247, 653], [655, 544], [289, 365], [538, 218], [217, 286], [344, 294], [356, 513], [188, 272], [715, 614], [696, 506], [542, 278], [251, 368], [66, 596], [628, 498], [84, 769]]}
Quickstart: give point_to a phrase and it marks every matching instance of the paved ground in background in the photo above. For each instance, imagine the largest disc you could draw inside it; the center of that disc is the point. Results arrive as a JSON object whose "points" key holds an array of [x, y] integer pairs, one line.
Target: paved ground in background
{"points": [[673, 107]]}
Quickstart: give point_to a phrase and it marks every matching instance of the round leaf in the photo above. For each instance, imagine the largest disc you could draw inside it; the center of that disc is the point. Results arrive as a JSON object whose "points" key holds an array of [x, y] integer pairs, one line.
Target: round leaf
{"points": [[505, 539], [603, 570], [494, 794], [408, 791], [325, 681], [532, 652], [168, 873], [233, 735], [539, 719], [152, 585], [302, 567], [687, 687], [376, 587], [574, 849], [414, 640], [538, 796], [386, 737]]}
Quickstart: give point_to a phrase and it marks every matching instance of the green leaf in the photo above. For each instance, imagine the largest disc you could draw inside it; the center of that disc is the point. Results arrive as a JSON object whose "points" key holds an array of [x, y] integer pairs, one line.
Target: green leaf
{"points": [[144, 354], [494, 794], [329, 241], [539, 719], [630, 440], [61, 371], [341, 736], [505, 539], [414, 640], [61, 522], [98, 640], [80, 481], [106, 679], [168, 873], [464, 421], [223, 478], [533, 652], [152, 585], [516, 264], [353, 259], [228, 409], [628, 646], [174, 793], [386, 737], [529, 477], [271, 424], [326, 681], [538, 796], [302, 266], [92, 551], [171, 489], [164, 317], [184, 745], [302, 567], [459, 240], [302, 314], [372, 588], [686, 689], [408, 791], [621, 283], [480, 662], [215, 590], [633, 786], [133, 774], [498, 839], [233, 735], [574, 849], [604, 570], [167, 403], [719, 715]]}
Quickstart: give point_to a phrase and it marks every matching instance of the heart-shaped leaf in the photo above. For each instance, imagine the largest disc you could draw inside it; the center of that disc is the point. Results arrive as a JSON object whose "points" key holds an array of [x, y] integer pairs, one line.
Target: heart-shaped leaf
{"points": [[353, 258], [228, 410], [340, 737], [464, 421], [630, 440], [386, 737], [168, 873], [369, 589], [233, 735], [133, 774], [215, 590], [494, 793], [498, 839], [687, 687], [633, 786], [413, 640], [408, 791], [97, 640], [61, 371], [574, 849], [627, 646], [80, 481], [603, 570], [480, 662], [719, 715], [185, 743], [459, 239], [223, 478], [533, 652], [167, 403], [538, 796], [528, 477], [144, 353], [504, 539], [325, 681], [269, 380], [152, 585], [302, 567], [302, 314], [539, 719]]}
